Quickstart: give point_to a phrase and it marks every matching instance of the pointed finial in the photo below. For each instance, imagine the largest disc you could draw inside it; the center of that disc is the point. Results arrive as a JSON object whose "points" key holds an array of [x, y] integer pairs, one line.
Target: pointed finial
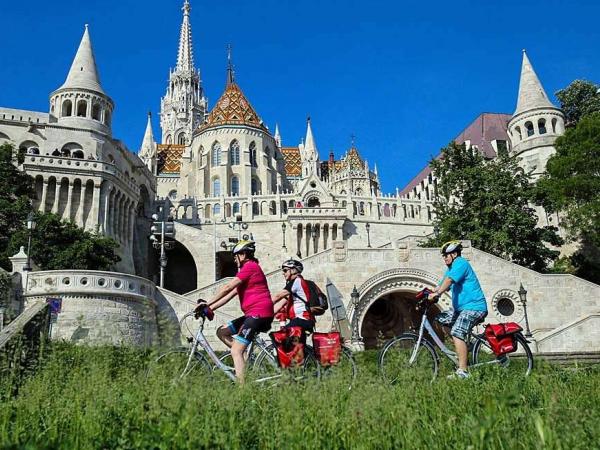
{"points": [[149, 114], [352, 140], [230, 72], [186, 8], [308, 119], [86, 26]]}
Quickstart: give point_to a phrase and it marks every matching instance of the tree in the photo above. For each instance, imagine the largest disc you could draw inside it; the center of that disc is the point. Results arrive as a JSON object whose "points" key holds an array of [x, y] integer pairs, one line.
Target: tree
{"points": [[571, 186], [55, 244], [579, 99], [488, 202]]}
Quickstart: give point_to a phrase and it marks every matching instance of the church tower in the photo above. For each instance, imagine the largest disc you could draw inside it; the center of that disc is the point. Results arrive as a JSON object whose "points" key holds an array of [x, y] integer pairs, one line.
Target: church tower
{"points": [[183, 107], [309, 154], [81, 102], [535, 124]]}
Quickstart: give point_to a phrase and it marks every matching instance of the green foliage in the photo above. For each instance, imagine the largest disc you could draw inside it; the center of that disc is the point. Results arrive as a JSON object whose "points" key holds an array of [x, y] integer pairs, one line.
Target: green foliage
{"points": [[100, 398], [55, 244], [579, 99], [63, 245], [488, 202], [15, 200]]}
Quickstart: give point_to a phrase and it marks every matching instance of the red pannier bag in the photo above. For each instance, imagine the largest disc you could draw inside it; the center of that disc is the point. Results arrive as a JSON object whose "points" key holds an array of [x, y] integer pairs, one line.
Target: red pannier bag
{"points": [[328, 347], [501, 337], [289, 346]]}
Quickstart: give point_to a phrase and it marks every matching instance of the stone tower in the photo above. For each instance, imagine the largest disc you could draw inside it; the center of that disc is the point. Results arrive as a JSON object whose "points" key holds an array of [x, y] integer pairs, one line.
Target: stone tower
{"points": [[81, 102], [183, 107], [535, 124]]}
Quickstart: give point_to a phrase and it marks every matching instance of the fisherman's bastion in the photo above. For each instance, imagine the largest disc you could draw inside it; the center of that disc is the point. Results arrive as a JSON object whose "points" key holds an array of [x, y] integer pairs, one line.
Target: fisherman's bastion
{"points": [[218, 174]]}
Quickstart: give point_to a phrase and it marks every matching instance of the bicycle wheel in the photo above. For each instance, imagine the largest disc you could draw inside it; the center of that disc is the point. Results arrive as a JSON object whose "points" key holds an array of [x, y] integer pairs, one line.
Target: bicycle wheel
{"points": [[394, 360], [176, 365], [267, 368], [517, 362], [345, 370]]}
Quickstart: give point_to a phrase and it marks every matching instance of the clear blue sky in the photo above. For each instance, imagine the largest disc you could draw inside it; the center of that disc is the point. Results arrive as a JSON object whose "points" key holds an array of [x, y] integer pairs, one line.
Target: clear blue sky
{"points": [[404, 77]]}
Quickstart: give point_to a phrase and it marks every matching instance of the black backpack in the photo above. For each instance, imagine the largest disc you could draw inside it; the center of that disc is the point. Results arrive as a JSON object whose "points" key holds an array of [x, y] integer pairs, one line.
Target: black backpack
{"points": [[317, 301]]}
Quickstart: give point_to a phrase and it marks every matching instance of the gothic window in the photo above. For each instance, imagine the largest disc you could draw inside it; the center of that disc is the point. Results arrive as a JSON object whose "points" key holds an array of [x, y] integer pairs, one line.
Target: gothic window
{"points": [[216, 154], [273, 183], [358, 191], [168, 140], [253, 160], [542, 126], [81, 108], [273, 208], [236, 208], [234, 153], [67, 108], [181, 139], [255, 208], [386, 210], [529, 128], [216, 210], [254, 186], [96, 111], [235, 186], [216, 187], [361, 209], [173, 194]]}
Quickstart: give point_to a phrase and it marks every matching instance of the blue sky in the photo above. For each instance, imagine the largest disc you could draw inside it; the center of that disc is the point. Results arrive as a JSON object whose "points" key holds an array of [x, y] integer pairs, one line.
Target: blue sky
{"points": [[404, 77]]}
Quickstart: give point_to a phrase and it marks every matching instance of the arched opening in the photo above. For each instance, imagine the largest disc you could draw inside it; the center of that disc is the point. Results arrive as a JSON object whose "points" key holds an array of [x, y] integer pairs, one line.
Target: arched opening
{"points": [[391, 315], [216, 155], [67, 108], [181, 139], [180, 273], [77, 154], [81, 108], [234, 153], [235, 185], [96, 109], [518, 130], [542, 126], [313, 202], [529, 128], [107, 118]]}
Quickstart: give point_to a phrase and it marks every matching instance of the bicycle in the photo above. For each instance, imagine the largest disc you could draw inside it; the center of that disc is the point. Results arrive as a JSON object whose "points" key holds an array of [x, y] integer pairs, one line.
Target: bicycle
{"points": [[177, 364], [411, 356]]}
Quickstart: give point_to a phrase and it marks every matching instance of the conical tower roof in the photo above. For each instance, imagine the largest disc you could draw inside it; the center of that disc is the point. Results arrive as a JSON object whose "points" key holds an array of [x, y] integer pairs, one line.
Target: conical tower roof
{"points": [[531, 91], [148, 145], [309, 143], [84, 73], [233, 108], [185, 55]]}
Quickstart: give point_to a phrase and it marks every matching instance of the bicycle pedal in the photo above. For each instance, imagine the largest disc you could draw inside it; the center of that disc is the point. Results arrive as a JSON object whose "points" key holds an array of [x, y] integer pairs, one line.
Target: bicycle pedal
{"points": [[190, 339]]}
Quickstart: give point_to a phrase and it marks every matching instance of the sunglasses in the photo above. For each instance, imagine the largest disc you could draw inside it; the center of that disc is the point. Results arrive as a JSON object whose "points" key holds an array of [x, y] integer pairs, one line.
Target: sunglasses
{"points": [[285, 270]]}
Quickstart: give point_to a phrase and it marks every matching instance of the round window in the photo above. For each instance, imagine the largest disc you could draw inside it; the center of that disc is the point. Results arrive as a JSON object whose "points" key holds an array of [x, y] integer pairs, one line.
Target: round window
{"points": [[101, 282], [313, 184], [506, 306]]}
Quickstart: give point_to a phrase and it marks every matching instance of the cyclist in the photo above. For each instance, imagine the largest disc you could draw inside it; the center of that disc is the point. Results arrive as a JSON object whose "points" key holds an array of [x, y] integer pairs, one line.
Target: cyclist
{"points": [[468, 302], [250, 285], [292, 301]]}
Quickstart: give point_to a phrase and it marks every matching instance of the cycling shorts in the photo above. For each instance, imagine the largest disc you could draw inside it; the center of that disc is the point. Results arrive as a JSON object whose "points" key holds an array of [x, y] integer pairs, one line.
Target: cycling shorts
{"points": [[308, 326], [462, 322], [245, 328]]}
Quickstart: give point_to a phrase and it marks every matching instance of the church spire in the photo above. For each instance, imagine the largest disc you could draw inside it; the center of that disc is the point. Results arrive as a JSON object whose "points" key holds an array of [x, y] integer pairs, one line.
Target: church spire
{"points": [[84, 73], [309, 153], [230, 71], [185, 56], [531, 91], [148, 141], [277, 135]]}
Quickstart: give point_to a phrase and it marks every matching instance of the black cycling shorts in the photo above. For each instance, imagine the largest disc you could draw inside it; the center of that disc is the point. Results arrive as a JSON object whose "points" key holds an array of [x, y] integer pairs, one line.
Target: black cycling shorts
{"points": [[246, 327], [308, 326]]}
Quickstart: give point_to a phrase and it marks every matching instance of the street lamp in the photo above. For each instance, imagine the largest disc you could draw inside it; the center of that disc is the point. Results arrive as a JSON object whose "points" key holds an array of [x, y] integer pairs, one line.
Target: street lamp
{"points": [[368, 227], [161, 244], [283, 227], [238, 225], [31, 223], [523, 296]]}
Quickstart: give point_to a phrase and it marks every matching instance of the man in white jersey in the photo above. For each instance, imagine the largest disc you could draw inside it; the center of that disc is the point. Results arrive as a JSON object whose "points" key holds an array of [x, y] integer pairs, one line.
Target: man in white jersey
{"points": [[292, 301]]}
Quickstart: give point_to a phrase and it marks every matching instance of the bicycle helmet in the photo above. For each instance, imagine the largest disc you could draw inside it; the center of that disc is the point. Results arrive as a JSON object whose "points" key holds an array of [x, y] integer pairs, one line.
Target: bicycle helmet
{"points": [[293, 264], [248, 247], [451, 247]]}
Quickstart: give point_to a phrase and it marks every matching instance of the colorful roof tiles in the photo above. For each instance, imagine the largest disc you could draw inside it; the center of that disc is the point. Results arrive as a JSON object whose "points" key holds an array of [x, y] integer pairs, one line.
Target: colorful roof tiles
{"points": [[233, 108], [169, 158], [292, 160]]}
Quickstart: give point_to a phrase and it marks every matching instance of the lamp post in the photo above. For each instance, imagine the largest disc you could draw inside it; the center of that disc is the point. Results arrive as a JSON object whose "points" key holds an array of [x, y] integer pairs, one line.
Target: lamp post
{"points": [[162, 245], [368, 227], [283, 227], [238, 225], [523, 296], [31, 223]]}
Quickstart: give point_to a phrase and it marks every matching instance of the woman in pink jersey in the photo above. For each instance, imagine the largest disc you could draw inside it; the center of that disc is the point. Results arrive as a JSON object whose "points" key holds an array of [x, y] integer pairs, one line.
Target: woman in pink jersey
{"points": [[250, 285]]}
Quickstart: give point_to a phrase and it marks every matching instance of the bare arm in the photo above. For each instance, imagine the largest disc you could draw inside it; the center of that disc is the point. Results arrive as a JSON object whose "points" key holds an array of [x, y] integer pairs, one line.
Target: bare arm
{"points": [[226, 293], [446, 283]]}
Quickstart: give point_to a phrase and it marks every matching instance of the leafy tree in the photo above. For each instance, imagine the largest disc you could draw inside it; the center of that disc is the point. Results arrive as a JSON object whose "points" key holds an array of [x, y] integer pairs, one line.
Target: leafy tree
{"points": [[572, 187], [579, 99], [55, 244], [488, 202]]}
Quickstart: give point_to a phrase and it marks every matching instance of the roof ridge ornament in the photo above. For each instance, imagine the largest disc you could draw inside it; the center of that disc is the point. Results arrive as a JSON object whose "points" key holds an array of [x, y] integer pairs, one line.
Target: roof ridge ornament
{"points": [[230, 69]]}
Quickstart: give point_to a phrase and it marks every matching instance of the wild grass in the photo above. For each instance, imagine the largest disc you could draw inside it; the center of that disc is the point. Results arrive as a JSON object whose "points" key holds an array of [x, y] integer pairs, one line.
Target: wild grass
{"points": [[85, 397]]}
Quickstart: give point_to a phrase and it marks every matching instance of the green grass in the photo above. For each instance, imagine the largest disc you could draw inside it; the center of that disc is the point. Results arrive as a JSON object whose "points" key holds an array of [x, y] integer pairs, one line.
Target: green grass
{"points": [[85, 397]]}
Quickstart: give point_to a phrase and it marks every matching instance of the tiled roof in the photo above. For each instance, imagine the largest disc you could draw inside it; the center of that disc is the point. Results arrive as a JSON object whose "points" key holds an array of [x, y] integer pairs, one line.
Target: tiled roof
{"points": [[169, 158], [293, 163], [233, 108], [487, 127]]}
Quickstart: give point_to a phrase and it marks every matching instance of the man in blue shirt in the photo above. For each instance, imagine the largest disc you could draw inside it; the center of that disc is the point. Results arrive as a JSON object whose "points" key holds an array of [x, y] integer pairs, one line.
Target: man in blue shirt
{"points": [[468, 302]]}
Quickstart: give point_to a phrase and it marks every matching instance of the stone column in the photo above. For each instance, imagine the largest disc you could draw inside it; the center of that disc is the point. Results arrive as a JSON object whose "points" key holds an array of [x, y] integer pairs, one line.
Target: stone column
{"points": [[105, 220], [67, 213], [56, 196], [95, 210], [81, 206], [44, 195]]}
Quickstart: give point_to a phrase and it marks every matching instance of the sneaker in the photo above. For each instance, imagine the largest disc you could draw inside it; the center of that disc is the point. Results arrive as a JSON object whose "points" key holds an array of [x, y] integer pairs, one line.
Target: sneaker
{"points": [[459, 375]]}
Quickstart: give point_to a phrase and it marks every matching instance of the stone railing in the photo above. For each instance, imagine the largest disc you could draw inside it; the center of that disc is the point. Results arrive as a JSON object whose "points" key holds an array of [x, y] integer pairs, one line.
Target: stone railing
{"points": [[298, 213], [92, 165], [88, 282]]}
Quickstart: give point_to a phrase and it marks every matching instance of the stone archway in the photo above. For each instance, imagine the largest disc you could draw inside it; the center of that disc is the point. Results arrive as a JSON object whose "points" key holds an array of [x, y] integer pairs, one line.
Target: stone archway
{"points": [[386, 305], [180, 274]]}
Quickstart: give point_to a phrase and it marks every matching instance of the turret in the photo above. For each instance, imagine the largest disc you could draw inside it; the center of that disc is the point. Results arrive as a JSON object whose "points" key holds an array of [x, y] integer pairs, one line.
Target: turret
{"points": [[81, 102], [536, 122], [147, 151], [309, 154]]}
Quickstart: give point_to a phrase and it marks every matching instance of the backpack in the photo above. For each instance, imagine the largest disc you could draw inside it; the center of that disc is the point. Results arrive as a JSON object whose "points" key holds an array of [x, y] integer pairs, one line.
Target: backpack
{"points": [[317, 301], [501, 337]]}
